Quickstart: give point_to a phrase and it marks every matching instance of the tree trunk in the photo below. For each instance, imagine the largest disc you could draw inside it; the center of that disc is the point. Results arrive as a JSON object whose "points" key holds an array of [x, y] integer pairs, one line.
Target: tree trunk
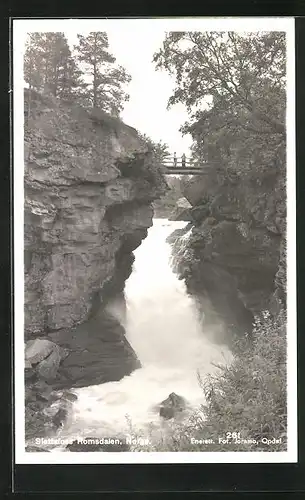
{"points": [[94, 86]]}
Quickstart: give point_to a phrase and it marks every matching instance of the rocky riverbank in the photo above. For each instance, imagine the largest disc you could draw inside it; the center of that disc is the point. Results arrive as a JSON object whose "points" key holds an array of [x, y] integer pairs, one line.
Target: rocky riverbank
{"points": [[232, 253], [89, 183]]}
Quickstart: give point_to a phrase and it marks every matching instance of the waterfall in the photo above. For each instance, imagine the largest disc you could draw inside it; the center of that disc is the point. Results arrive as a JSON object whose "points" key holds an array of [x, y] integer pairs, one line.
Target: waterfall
{"points": [[162, 327]]}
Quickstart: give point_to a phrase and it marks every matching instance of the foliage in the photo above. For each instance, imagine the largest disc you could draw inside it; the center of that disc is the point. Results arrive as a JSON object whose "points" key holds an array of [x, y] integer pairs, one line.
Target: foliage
{"points": [[250, 395], [159, 149], [235, 71], [105, 88], [233, 86], [89, 76], [247, 397], [49, 66]]}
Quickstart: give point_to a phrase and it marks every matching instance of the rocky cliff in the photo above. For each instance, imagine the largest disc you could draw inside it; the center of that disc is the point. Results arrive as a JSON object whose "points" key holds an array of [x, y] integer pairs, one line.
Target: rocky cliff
{"points": [[232, 254], [89, 183]]}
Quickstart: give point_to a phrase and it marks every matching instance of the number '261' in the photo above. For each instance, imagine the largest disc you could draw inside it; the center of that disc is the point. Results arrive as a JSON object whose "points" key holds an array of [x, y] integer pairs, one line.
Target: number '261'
{"points": [[233, 435]]}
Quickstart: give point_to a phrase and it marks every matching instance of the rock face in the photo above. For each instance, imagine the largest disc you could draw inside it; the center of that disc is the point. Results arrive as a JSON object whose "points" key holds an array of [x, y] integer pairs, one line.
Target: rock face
{"points": [[89, 183], [182, 210], [232, 254], [99, 352]]}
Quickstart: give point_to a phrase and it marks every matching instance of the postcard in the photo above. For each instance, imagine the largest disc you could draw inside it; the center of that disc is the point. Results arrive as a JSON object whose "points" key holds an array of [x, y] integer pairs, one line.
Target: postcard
{"points": [[154, 240]]}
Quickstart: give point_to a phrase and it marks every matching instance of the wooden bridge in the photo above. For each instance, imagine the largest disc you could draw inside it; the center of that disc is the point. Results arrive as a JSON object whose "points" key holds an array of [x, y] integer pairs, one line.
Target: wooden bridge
{"points": [[173, 165]]}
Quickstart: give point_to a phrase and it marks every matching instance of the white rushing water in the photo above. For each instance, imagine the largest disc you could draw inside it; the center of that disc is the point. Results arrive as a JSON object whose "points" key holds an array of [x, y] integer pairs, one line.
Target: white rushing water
{"points": [[163, 330]]}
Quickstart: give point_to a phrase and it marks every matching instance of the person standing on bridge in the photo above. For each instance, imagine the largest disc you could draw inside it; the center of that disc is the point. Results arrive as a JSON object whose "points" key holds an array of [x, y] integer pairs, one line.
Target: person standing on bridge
{"points": [[183, 160], [175, 159]]}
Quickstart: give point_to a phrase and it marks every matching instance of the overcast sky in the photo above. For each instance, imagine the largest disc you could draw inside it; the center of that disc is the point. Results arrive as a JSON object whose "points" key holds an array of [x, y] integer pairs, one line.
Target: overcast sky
{"points": [[149, 89]]}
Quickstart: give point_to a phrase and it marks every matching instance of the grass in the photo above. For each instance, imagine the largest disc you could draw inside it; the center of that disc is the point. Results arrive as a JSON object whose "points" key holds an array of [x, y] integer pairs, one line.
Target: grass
{"points": [[247, 397]]}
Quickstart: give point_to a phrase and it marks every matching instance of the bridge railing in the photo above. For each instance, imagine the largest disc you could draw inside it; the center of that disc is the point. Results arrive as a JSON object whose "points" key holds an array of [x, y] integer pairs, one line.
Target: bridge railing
{"points": [[171, 161]]}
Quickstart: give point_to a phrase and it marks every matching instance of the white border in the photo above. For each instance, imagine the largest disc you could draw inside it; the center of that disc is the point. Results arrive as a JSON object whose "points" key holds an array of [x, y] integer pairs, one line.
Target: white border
{"points": [[20, 29]]}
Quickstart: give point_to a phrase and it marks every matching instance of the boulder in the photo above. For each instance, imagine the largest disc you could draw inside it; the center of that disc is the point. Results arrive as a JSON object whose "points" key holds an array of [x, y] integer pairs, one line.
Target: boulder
{"points": [[183, 203], [170, 406], [38, 349], [60, 417], [47, 369], [181, 210], [69, 396], [194, 190], [167, 412], [45, 395]]}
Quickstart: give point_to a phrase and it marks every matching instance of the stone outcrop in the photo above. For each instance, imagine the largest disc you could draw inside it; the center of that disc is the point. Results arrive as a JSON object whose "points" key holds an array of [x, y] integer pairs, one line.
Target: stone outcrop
{"points": [[182, 210], [232, 254], [89, 183]]}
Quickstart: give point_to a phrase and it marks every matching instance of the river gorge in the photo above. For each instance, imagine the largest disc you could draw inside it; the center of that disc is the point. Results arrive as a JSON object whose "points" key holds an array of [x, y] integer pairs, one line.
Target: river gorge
{"points": [[161, 326]]}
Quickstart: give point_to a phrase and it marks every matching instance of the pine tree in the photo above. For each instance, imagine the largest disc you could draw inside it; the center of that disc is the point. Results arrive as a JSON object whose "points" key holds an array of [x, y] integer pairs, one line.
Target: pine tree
{"points": [[49, 66], [105, 80], [70, 80], [34, 61]]}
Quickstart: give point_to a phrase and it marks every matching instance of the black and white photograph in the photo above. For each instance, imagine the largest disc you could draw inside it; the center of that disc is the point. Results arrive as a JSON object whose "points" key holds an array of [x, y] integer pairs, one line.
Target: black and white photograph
{"points": [[154, 240]]}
